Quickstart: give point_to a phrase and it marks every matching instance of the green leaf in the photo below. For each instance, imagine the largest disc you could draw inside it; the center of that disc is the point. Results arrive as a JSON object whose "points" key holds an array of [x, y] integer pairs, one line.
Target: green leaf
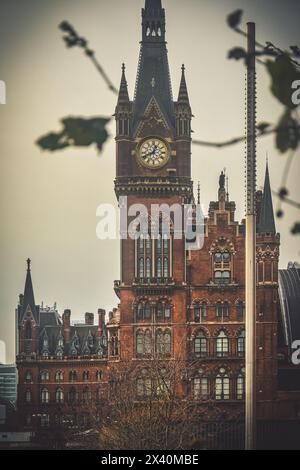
{"points": [[283, 73], [287, 132], [77, 132]]}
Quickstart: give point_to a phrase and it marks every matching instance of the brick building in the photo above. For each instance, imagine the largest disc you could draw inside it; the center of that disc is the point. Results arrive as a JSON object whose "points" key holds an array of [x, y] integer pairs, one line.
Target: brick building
{"points": [[175, 302]]}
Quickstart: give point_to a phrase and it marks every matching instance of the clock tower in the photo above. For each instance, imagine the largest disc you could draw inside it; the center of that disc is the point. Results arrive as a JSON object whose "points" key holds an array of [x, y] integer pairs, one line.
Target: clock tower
{"points": [[153, 167]]}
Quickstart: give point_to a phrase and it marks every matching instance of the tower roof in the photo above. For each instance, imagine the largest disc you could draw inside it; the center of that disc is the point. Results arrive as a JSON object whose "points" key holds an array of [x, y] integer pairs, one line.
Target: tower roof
{"points": [[28, 299], [153, 76], [183, 96], [266, 218], [123, 90]]}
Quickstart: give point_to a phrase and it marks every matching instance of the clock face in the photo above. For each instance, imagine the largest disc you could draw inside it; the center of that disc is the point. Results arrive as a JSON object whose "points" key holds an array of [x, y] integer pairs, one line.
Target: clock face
{"points": [[153, 153]]}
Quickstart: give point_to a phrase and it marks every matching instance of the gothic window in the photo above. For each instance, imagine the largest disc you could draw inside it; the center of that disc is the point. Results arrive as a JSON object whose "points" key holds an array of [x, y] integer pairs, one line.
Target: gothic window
{"points": [[45, 420], [28, 396], [28, 376], [114, 345], [85, 376], [163, 383], [222, 267], [200, 387], [144, 256], [241, 309], [59, 395], [72, 376], [86, 395], [167, 311], [141, 267], [200, 344], [200, 311], [222, 310], [28, 331], [98, 375], [147, 311], [45, 397], [59, 376], [44, 375], [140, 342], [222, 346], [163, 342], [241, 344], [72, 395], [240, 385], [143, 384], [159, 311], [222, 388], [148, 268], [143, 342], [163, 311]]}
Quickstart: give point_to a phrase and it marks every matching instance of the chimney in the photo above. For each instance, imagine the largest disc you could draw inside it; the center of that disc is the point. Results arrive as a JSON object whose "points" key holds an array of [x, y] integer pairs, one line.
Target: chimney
{"points": [[66, 318], [89, 318], [101, 321]]}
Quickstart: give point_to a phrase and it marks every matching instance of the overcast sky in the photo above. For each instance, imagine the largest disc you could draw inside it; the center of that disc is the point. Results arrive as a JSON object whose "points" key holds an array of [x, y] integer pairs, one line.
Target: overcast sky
{"points": [[48, 201]]}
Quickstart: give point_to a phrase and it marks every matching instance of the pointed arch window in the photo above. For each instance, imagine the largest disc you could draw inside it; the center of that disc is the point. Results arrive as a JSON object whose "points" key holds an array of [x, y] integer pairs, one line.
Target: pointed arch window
{"points": [[222, 344], [200, 311], [163, 342], [143, 384], [59, 376], [200, 386], [222, 385], [222, 310], [200, 344], [28, 396], [241, 344], [72, 376], [45, 397], [240, 385], [59, 395], [44, 376], [99, 375]]}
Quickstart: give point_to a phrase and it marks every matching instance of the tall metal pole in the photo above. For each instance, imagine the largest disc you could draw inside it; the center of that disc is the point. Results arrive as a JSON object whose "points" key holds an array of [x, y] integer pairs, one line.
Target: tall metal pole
{"points": [[250, 421]]}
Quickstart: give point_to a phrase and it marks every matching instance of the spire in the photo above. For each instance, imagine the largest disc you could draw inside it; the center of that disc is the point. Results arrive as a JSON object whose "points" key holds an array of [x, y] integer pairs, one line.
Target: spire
{"points": [[153, 68], [28, 299], [123, 91], [266, 219], [183, 96]]}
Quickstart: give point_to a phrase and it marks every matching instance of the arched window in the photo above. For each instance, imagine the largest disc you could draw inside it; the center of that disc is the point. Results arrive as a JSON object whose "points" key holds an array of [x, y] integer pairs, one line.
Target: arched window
{"points": [[159, 311], [240, 385], [59, 395], [241, 344], [140, 311], [72, 376], [86, 395], [140, 342], [98, 395], [45, 395], [222, 267], [159, 268], [148, 268], [222, 346], [72, 395], [28, 376], [222, 385], [28, 396], [200, 311], [241, 309], [200, 344], [44, 375], [222, 310], [98, 375], [163, 342], [28, 331], [168, 309], [114, 345], [143, 385], [148, 342], [143, 342], [141, 267], [167, 343], [85, 375], [147, 311], [166, 267], [200, 386], [59, 376]]}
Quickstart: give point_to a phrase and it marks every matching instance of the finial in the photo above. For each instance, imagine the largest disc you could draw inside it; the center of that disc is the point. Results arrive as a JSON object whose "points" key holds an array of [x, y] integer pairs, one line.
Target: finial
{"points": [[183, 68], [198, 193], [28, 264], [123, 67]]}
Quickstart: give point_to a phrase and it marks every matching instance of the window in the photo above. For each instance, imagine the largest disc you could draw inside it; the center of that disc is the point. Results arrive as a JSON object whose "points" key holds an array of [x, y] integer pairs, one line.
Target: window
{"points": [[200, 344], [45, 420], [200, 387], [163, 384], [59, 376], [143, 384], [240, 385], [241, 344], [114, 345], [222, 385], [98, 395], [143, 342], [72, 396], [28, 396], [85, 375], [28, 331], [72, 376], [44, 375], [143, 311], [45, 395], [144, 257], [163, 342], [222, 267], [222, 348], [163, 311], [59, 395], [200, 311], [86, 395], [222, 310], [28, 376], [241, 309], [98, 375]]}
